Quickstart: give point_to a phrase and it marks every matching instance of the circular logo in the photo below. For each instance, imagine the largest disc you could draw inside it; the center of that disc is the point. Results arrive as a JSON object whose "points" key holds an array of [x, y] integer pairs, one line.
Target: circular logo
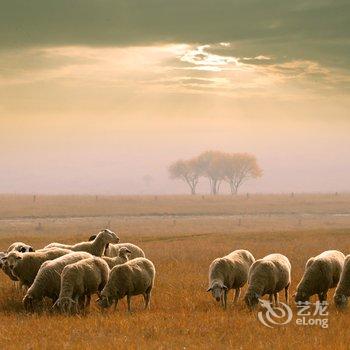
{"points": [[277, 316]]}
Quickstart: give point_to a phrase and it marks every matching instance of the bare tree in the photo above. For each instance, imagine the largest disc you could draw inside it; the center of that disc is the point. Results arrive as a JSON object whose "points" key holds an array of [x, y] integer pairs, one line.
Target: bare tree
{"points": [[211, 165], [239, 167], [187, 171]]}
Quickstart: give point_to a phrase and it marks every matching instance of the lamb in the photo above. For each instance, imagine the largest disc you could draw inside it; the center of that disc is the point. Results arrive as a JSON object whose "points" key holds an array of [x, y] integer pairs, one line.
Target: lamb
{"points": [[47, 282], [229, 272], [80, 280], [322, 273], [25, 266], [124, 254], [134, 277], [95, 247], [112, 250], [268, 275], [342, 292]]}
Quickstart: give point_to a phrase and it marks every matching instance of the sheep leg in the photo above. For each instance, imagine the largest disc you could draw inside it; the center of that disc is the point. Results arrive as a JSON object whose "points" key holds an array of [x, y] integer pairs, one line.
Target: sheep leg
{"points": [[237, 294], [128, 298], [146, 296], [322, 297], [88, 300], [271, 298], [286, 294], [276, 299], [224, 300], [115, 304]]}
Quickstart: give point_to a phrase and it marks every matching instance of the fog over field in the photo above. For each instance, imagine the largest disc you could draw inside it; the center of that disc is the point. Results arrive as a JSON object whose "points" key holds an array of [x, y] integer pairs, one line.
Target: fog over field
{"points": [[101, 98]]}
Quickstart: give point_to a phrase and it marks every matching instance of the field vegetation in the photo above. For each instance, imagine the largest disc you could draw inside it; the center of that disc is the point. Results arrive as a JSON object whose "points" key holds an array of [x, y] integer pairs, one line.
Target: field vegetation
{"points": [[181, 235]]}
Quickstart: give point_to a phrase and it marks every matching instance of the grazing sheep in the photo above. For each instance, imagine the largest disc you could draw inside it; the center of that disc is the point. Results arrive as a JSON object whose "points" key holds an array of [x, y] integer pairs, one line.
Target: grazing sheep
{"points": [[80, 280], [112, 250], [16, 246], [5, 268], [95, 247], [134, 277], [124, 254], [20, 247], [268, 275], [47, 282], [342, 292], [25, 266], [322, 273], [229, 272]]}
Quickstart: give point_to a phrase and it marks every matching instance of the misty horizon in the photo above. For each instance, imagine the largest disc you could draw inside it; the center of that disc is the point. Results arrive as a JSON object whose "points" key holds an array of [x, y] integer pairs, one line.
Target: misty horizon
{"points": [[97, 106]]}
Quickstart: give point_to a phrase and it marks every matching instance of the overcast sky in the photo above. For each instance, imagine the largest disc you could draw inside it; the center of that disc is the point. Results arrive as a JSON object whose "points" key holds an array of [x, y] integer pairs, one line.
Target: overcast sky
{"points": [[96, 94]]}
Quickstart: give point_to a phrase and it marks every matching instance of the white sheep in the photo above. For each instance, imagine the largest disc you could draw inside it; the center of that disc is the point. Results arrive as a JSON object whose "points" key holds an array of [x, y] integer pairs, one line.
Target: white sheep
{"points": [[123, 256], [342, 293], [321, 274], [79, 281], [16, 246], [95, 247], [134, 277], [25, 266], [20, 247], [268, 275], [47, 282], [229, 272], [112, 250]]}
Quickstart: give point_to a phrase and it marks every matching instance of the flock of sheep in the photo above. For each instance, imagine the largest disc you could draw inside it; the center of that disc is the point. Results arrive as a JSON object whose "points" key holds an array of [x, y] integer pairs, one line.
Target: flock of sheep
{"points": [[70, 274], [272, 274]]}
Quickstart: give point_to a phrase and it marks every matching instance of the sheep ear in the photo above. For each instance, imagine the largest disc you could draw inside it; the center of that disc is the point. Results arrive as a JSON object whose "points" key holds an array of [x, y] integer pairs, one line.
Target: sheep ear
{"points": [[18, 258], [209, 289]]}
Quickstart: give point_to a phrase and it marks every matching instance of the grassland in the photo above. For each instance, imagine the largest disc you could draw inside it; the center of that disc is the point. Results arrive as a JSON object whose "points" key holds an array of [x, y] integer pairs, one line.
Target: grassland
{"points": [[181, 235]]}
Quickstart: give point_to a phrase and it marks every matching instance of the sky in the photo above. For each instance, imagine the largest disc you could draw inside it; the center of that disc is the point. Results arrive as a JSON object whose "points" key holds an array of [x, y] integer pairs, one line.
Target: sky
{"points": [[100, 96]]}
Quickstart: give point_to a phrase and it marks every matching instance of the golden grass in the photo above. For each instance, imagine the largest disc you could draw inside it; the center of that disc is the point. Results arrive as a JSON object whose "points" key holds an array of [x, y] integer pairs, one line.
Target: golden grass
{"points": [[183, 315]]}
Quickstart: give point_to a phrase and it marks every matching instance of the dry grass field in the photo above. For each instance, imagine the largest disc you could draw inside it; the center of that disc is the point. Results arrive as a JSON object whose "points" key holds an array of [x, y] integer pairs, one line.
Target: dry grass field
{"points": [[181, 235]]}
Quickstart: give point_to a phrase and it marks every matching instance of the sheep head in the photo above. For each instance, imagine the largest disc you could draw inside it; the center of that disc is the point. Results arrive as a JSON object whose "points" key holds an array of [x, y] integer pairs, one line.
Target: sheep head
{"points": [[217, 290]]}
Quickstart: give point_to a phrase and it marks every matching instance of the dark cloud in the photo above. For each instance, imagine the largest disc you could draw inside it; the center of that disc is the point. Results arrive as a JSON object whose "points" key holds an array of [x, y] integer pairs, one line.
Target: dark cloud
{"points": [[300, 29]]}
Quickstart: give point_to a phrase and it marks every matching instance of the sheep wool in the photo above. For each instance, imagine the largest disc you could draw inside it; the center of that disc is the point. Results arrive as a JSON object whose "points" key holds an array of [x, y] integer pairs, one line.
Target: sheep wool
{"points": [[229, 272], [268, 275], [321, 274], [134, 277]]}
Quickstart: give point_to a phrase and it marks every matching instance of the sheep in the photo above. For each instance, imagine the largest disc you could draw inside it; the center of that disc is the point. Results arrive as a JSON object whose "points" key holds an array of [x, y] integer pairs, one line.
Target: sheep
{"points": [[342, 292], [95, 247], [322, 273], [229, 272], [25, 266], [112, 250], [20, 247], [134, 277], [124, 254], [80, 280], [47, 282], [268, 275]]}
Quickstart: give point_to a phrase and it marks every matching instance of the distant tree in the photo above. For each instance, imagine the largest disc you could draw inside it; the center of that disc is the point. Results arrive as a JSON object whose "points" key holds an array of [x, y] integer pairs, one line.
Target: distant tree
{"points": [[211, 164], [239, 167], [187, 171]]}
